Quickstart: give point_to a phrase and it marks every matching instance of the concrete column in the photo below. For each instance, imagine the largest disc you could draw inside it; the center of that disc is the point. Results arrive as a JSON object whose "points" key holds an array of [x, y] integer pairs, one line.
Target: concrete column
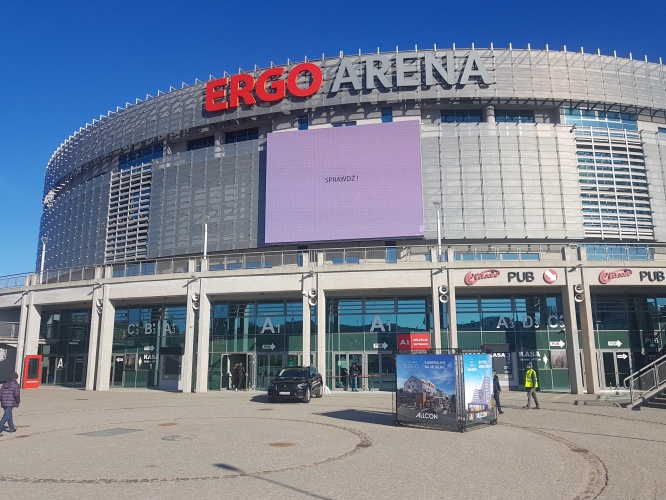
{"points": [[26, 303], [589, 347], [203, 340], [95, 327], [187, 361], [321, 335], [33, 323], [489, 114], [105, 348], [306, 328], [451, 309], [571, 335], [436, 280]]}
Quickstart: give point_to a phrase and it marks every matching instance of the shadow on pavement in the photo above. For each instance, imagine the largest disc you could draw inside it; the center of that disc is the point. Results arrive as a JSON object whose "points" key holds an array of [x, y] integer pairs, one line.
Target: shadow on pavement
{"points": [[369, 417]]}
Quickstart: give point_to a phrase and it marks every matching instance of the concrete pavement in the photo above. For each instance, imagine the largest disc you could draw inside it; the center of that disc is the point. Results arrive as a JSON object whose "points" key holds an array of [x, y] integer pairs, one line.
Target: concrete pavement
{"points": [[139, 443]]}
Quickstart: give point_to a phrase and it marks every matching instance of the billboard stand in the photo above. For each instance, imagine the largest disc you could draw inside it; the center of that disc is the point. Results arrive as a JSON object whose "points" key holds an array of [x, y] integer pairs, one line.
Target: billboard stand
{"points": [[451, 391]]}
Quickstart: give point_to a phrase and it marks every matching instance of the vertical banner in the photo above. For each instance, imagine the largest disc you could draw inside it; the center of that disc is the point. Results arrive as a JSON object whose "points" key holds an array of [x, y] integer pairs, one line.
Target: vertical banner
{"points": [[426, 389], [478, 388]]}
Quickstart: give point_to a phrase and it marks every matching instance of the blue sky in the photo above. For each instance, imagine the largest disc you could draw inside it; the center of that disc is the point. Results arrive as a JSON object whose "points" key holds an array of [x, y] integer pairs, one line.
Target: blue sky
{"points": [[65, 63]]}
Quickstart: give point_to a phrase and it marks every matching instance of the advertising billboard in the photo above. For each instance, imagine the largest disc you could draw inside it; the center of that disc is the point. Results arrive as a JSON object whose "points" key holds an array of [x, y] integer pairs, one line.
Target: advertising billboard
{"points": [[344, 183], [478, 376], [426, 392]]}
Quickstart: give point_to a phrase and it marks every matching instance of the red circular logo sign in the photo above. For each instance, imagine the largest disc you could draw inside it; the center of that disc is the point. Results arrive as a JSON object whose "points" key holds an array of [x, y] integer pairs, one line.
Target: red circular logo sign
{"points": [[550, 276]]}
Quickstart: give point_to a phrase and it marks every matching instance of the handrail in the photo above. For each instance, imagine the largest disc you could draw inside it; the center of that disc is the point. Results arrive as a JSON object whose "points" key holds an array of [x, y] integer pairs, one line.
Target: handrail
{"points": [[410, 253], [648, 378]]}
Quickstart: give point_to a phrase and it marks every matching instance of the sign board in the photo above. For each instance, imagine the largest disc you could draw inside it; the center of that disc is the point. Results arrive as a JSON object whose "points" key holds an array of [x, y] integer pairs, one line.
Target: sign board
{"points": [[413, 341]]}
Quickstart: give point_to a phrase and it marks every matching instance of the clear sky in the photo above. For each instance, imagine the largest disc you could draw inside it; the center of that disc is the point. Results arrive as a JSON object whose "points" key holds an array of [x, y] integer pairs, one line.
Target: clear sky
{"points": [[64, 63]]}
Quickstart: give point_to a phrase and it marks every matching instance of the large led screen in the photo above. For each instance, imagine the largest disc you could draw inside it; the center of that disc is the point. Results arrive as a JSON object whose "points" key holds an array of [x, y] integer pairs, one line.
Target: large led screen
{"points": [[344, 183]]}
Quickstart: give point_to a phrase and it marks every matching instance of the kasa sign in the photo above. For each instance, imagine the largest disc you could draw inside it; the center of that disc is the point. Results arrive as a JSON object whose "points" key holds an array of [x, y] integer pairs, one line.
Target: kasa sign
{"points": [[412, 69]]}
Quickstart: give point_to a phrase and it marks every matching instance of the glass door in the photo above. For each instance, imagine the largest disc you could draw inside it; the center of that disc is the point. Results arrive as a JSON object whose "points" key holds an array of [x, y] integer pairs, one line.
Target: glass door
{"points": [[381, 372], [342, 363], [268, 366], [616, 367], [170, 372], [117, 370]]}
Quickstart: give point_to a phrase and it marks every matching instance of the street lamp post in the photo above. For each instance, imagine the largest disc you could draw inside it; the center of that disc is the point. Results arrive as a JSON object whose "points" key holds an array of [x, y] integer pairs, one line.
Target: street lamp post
{"points": [[438, 206], [41, 267], [205, 242]]}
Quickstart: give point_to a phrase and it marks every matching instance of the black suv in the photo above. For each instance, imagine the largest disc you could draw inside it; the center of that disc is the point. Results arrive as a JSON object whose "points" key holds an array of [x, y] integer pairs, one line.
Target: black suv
{"points": [[296, 382]]}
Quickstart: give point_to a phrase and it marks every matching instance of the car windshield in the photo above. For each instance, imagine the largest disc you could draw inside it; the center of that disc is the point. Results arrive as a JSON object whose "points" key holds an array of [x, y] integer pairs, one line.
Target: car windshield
{"points": [[294, 372]]}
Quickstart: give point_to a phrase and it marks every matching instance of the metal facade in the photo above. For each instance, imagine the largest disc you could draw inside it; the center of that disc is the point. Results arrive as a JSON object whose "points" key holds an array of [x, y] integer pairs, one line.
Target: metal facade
{"points": [[494, 180]]}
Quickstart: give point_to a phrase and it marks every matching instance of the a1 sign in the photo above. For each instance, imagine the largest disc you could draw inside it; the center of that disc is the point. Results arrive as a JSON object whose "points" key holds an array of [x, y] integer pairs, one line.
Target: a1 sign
{"points": [[413, 341]]}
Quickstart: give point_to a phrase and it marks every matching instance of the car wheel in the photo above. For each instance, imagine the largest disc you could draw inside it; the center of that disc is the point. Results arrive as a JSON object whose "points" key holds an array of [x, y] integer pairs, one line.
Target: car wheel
{"points": [[306, 395], [271, 399]]}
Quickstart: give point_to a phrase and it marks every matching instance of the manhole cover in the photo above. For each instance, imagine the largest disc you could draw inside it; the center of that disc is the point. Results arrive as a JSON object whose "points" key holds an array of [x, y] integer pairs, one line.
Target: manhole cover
{"points": [[280, 445], [177, 438]]}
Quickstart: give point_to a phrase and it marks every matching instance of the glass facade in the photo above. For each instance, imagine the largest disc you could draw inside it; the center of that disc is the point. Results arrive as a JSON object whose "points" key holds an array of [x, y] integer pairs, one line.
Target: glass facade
{"points": [[599, 119], [66, 335], [270, 328], [636, 323], [145, 339], [531, 325]]}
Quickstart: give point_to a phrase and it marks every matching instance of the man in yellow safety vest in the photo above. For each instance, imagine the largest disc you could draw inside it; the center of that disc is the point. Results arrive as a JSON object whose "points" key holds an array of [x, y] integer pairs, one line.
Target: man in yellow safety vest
{"points": [[531, 384]]}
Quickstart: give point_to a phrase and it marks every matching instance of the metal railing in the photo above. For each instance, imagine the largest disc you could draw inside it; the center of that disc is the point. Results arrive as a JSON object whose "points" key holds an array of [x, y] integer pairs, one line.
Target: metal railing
{"points": [[648, 379], [342, 256], [8, 329], [14, 280]]}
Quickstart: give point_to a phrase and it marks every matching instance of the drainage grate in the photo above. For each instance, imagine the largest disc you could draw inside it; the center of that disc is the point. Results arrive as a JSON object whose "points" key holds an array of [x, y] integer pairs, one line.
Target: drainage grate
{"points": [[109, 432]]}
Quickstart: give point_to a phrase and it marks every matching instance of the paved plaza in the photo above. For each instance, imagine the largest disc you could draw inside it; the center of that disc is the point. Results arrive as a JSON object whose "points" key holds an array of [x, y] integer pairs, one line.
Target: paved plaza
{"points": [[149, 444]]}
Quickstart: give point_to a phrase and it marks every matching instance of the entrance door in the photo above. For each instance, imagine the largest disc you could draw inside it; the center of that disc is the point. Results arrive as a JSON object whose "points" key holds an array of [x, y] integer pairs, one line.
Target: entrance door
{"points": [[268, 366], [342, 362], [235, 359], [170, 372], [616, 367], [381, 372], [117, 365], [76, 368]]}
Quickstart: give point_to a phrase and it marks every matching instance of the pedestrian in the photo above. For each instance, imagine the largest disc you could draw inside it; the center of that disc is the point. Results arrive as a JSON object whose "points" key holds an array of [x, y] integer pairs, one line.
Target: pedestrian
{"points": [[234, 377], [10, 397], [531, 384], [496, 392], [354, 372], [241, 376]]}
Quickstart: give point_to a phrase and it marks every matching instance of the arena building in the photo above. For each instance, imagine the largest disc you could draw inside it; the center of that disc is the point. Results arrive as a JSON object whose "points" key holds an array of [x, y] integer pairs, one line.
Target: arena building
{"points": [[338, 210]]}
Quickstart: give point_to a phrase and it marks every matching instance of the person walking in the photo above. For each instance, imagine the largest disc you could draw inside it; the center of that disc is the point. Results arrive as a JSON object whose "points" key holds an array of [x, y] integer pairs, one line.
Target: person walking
{"points": [[531, 384], [10, 398], [241, 376], [234, 377], [354, 372], [496, 392]]}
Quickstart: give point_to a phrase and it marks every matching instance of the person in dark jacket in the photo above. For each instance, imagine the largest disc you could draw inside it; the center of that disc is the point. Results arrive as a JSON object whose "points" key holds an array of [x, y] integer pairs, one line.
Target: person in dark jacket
{"points": [[496, 392], [354, 372], [241, 377], [10, 397]]}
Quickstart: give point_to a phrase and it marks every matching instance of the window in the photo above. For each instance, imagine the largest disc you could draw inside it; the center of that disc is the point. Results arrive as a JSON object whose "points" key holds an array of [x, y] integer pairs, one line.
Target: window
{"points": [[661, 130], [139, 157], [203, 142], [470, 115], [600, 119], [514, 115], [344, 124], [387, 115], [303, 123], [248, 134]]}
